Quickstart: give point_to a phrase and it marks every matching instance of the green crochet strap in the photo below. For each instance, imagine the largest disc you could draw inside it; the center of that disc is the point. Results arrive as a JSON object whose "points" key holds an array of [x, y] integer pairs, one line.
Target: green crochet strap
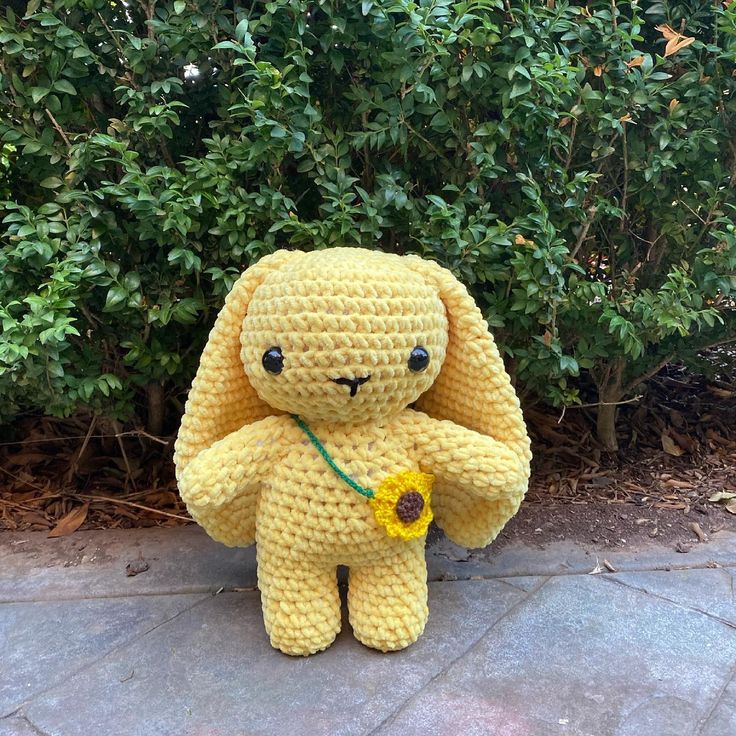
{"points": [[367, 492]]}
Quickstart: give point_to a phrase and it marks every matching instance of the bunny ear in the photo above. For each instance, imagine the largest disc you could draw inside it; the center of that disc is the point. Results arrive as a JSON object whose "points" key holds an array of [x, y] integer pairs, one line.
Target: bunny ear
{"points": [[473, 390], [221, 399]]}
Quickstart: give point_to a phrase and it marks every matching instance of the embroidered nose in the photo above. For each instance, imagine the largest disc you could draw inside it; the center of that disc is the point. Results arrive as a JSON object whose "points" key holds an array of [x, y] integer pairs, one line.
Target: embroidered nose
{"points": [[354, 383]]}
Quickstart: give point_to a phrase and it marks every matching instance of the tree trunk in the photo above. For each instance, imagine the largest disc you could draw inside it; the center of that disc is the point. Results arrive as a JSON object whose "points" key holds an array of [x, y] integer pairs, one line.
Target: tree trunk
{"points": [[606, 426], [610, 393], [155, 395]]}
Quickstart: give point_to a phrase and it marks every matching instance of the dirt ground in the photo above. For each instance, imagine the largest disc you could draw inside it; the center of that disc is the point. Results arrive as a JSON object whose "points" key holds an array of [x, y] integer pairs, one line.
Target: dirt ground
{"points": [[619, 526], [673, 480]]}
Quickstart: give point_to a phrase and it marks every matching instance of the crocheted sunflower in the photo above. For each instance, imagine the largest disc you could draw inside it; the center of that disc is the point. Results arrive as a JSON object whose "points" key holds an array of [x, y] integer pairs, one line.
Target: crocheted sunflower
{"points": [[298, 435], [401, 504]]}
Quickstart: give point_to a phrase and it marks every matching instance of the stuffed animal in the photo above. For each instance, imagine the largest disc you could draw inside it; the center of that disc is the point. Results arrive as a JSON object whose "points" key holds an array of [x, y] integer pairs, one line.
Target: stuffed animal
{"points": [[344, 399]]}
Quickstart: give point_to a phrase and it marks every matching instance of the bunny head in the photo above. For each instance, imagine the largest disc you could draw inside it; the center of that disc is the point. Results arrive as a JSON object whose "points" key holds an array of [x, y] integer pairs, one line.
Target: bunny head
{"points": [[343, 335]]}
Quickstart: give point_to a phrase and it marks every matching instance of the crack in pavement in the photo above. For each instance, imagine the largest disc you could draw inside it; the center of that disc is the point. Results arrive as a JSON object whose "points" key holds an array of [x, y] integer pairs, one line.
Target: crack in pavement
{"points": [[34, 727], [719, 698], [18, 716], [453, 575], [543, 578], [194, 590], [611, 578], [391, 717], [128, 642]]}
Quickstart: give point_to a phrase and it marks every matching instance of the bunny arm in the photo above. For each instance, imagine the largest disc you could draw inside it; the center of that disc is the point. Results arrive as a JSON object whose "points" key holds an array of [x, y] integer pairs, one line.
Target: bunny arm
{"points": [[230, 471], [484, 467]]}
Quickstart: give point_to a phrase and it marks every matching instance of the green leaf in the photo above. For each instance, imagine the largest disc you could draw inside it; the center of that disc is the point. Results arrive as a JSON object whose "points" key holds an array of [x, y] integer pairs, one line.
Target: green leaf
{"points": [[116, 298], [568, 364], [521, 87], [47, 20], [179, 6], [51, 182], [437, 201], [61, 85], [227, 45], [38, 93], [241, 32], [132, 281]]}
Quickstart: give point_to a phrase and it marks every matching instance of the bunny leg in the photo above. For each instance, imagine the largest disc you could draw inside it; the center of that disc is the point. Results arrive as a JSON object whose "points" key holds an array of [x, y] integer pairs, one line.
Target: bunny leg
{"points": [[388, 600], [301, 604]]}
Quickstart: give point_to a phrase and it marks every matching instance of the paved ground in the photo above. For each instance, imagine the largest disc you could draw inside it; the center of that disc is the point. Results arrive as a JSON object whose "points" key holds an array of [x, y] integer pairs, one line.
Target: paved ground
{"points": [[520, 642]]}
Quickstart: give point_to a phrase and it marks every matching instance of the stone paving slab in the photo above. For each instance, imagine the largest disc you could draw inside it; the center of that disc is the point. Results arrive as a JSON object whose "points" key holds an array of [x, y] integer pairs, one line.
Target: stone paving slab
{"points": [[212, 671], [581, 657], [521, 641], [186, 560], [42, 644], [722, 720], [517, 558], [93, 563], [17, 727], [709, 591]]}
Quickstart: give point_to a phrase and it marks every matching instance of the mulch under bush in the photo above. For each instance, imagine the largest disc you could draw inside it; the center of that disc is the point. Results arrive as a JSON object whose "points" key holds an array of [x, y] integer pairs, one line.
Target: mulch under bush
{"points": [[677, 462]]}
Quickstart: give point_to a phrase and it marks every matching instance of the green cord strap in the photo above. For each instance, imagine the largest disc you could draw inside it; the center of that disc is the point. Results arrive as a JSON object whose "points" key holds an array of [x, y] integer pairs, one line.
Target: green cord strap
{"points": [[367, 492]]}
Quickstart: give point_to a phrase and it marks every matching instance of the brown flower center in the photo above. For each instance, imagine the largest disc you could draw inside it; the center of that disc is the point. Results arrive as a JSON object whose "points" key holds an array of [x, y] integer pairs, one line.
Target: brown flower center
{"points": [[409, 506]]}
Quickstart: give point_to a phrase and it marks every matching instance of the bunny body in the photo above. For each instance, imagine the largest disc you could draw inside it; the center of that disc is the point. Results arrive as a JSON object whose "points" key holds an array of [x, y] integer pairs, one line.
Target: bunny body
{"points": [[248, 473]]}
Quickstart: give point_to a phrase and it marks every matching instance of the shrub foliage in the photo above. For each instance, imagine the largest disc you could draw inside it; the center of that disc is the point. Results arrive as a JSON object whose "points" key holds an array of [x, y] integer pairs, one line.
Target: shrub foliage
{"points": [[572, 163]]}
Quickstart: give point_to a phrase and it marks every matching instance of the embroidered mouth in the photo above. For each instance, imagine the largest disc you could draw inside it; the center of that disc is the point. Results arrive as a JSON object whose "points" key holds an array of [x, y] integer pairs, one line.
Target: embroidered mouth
{"points": [[354, 383]]}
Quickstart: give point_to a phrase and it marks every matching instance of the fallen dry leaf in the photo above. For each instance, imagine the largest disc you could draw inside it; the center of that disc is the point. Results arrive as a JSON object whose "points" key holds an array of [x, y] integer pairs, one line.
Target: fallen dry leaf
{"points": [[674, 102], [731, 507], [71, 522], [672, 505], [672, 483], [698, 530], [721, 393], [636, 61], [670, 446], [721, 496], [683, 440]]}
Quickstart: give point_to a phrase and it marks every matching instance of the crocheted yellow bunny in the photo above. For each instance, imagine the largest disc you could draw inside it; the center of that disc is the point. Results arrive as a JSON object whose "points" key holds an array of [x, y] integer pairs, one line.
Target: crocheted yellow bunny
{"points": [[298, 435]]}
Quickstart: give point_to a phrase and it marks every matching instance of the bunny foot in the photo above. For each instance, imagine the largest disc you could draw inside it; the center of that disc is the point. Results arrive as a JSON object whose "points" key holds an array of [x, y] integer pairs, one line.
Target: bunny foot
{"points": [[301, 607], [388, 601]]}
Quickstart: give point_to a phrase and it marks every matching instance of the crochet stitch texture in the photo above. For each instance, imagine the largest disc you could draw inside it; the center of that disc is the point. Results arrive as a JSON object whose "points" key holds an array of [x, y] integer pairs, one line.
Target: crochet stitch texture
{"points": [[248, 473]]}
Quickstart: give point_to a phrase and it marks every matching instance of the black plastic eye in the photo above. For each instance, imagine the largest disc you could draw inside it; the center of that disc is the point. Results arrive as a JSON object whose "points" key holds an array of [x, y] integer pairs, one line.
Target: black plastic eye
{"points": [[273, 360], [419, 359]]}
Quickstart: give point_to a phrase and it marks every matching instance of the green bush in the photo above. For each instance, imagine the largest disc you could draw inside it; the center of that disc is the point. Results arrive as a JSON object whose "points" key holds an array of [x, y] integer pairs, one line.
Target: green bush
{"points": [[572, 163]]}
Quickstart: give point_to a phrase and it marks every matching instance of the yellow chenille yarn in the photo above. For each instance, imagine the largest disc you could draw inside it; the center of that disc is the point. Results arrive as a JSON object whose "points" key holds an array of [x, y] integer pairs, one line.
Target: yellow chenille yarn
{"points": [[248, 473]]}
